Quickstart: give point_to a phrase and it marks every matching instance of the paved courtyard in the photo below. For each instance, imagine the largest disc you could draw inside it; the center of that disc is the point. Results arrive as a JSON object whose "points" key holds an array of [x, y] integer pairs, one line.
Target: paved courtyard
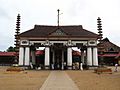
{"points": [[59, 80]]}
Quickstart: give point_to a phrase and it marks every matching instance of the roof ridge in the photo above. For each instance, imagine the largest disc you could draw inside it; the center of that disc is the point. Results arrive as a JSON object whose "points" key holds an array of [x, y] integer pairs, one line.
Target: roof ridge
{"points": [[110, 42], [114, 44], [57, 26]]}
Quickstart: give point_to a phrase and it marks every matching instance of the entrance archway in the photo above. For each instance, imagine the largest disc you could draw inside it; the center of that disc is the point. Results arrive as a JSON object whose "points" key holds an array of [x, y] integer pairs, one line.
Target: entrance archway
{"points": [[58, 59]]}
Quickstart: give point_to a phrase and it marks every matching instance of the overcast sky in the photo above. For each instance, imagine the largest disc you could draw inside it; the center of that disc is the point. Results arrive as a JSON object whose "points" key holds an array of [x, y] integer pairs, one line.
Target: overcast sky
{"points": [[44, 12]]}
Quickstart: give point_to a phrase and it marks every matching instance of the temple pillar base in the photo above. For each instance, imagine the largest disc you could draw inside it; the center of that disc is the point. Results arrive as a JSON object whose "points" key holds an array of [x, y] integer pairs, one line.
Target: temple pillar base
{"points": [[69, 67], [47, 67]]}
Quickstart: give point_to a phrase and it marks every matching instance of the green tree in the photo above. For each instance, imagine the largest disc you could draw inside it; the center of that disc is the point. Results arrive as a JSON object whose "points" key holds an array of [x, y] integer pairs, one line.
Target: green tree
{"points": [[11, 49]]}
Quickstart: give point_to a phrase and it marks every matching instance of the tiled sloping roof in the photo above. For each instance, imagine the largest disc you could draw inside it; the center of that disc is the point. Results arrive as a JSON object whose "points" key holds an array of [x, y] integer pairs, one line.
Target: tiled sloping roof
{"points": [[109, 55], [38, 52], [45, 31], [41, 52], [76, 53], [7, 53], [109, 46]]}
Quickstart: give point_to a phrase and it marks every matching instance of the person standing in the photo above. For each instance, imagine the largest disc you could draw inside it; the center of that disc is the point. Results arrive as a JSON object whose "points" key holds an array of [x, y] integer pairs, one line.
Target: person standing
{"points": [[116, 67], [81, 66]]}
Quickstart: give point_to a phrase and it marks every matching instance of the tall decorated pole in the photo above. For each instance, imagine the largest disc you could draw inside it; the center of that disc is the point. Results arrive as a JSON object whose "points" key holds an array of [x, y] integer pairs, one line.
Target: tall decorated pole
{"points": [[100, 38], [99, 25], [17, 38]]}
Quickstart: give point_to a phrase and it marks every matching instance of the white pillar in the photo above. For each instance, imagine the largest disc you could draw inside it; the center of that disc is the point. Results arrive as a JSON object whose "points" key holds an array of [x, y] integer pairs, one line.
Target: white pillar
{"points": [[53, 59], [95, 56], [69, 57], [89, 56], [47, 57], [21, 56], [82, 56], [33, 57], [27, 56], [62, 59]]}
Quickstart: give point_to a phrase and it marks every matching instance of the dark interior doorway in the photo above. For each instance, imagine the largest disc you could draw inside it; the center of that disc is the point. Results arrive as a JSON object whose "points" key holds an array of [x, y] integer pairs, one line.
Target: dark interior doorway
{"points": [[58, 59]]}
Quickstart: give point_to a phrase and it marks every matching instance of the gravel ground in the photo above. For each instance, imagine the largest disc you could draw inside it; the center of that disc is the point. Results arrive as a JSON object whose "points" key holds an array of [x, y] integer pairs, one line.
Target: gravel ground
{"points": [[27, 80], [88, 80], [33, 80]]}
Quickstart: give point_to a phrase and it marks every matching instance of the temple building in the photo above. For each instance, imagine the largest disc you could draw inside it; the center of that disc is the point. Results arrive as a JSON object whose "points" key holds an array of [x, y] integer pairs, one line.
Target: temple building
{"points": [[108, 52], [58, 42], [111, 52]]}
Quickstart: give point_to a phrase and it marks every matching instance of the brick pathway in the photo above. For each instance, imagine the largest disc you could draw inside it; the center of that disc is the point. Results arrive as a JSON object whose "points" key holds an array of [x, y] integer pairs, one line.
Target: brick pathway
{"points": [[59, 80]]}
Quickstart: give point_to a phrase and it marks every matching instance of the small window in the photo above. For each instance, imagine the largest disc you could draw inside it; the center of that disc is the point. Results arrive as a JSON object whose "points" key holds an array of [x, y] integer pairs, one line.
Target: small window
{"points": [[111, 49], [24, 42], [92, 42]]}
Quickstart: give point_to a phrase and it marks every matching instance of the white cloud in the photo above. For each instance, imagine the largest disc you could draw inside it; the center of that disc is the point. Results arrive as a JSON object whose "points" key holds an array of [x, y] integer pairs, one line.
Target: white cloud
{"points": [[84, 12]]}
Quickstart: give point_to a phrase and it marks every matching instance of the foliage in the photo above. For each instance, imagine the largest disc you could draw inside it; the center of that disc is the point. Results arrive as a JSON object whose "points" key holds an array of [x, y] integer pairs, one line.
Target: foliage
{"points": [[11, 49]]}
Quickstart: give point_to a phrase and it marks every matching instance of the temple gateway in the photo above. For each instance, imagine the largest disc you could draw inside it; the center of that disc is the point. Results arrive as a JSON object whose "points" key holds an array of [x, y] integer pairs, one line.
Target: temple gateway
{"points": [[58, 42]]}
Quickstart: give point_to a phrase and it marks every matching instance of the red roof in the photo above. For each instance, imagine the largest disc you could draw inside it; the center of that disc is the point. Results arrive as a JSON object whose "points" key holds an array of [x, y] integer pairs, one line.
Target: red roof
{"points": [[39, 52], [76, 53], [110, 55], [7, 53]]}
